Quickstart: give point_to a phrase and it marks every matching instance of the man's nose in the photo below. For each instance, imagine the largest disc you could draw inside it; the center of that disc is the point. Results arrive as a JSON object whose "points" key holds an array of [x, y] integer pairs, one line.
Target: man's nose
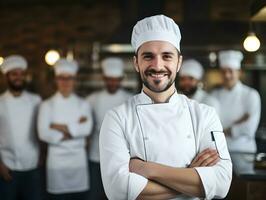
{"points": [[157, 62]]}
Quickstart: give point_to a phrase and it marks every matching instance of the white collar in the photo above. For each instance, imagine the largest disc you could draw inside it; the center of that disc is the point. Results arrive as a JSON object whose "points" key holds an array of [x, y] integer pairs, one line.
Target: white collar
{"points": [[143, 98], [8, 94], [236, 87], [59, 96]]}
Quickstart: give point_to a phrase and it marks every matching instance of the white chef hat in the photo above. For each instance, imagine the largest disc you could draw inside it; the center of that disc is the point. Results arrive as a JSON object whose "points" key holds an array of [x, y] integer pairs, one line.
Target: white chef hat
{"points": [[230, 59], [113, 67], [192, 68], [14, 62], [156, 28], [64, 66]]}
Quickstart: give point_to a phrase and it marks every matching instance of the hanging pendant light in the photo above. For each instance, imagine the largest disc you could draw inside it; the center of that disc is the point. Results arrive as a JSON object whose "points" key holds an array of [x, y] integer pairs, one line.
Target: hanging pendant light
{"points": [[251, 43], [51, 57]]}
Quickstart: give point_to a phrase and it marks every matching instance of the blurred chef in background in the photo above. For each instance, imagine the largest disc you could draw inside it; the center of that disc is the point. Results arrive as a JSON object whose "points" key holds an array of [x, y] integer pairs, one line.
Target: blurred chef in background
{"points": [[190, 77], [64, 122], [102, 101], [19, 146], [240, 105]]}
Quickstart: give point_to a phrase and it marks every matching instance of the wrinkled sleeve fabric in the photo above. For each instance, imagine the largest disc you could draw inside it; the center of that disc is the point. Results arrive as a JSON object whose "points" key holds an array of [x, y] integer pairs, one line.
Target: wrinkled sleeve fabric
{"points": [[248, 128], [119, 183], [46, 134], [216, 179], [83, 129]]}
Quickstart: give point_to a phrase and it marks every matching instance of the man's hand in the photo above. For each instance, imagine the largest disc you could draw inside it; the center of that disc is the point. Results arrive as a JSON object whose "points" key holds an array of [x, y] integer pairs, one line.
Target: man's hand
{"points": [[63, 129], [244, 118], [206, 158], [5, 172], [59, 127], [82, 120], [227, 132]]}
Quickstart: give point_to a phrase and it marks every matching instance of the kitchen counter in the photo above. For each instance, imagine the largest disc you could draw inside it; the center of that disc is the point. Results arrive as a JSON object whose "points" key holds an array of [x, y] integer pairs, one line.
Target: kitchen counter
{"points": [[248, 183], [243, 166]]}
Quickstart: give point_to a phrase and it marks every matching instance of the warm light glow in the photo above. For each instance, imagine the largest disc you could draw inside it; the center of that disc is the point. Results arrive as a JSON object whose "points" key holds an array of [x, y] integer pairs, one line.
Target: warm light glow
{"points": [[251, 43], [118, 48], [1, 60], [51, 57], [70, 56], [212, 56]]}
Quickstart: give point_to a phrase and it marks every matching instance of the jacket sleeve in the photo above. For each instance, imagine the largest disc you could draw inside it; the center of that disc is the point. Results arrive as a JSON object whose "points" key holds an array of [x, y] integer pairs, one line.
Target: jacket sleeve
{"points": [[248, 128], [46, 134], [119, 183], [216, 180], [83, 129]]}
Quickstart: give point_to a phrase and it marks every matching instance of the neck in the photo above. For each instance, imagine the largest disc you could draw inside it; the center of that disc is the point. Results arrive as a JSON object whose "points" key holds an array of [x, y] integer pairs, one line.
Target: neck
{"points": [[65, 95], [160, 97], [15, 93], [229, 87]]}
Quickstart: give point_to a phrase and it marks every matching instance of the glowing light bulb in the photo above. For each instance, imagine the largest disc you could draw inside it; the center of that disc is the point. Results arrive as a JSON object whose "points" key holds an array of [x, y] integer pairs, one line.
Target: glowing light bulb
{"points": [[1, 60], [251, 43], [51, 57]]}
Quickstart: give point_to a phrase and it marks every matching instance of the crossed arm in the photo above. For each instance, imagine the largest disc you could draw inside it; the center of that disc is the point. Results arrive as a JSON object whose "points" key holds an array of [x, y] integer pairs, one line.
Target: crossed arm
{"points": [[54, 133], [63, 128], [127, 178], [167, 182]]}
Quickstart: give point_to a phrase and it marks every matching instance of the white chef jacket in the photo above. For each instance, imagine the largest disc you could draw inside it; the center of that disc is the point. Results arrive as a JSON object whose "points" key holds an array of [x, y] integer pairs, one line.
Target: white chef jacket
{"points": [[101, 102], [235, 103], [203, 97], [168, 133], [67, 169], [19, 147]]}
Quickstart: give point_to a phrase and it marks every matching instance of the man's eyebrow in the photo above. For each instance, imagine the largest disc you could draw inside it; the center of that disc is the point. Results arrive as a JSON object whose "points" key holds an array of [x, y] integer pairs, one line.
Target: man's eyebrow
{"points": [[164, 53], [168, 53], [146, 53]]}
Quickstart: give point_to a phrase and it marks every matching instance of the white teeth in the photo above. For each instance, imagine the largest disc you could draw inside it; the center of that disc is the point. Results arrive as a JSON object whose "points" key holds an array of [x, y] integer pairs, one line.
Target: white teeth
{"points": [[158, 75]]}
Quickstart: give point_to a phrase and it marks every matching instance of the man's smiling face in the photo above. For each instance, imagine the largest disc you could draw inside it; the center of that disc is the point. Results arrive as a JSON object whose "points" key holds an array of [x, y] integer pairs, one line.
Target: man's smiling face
{"points": [[157, 62]]}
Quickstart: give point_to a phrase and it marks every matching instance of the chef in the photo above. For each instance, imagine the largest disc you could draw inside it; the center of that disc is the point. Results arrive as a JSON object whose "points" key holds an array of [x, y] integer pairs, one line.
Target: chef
{"points": [[159, 144], [64, 123], [240, 104], [111, 96], [190, 77], [19, 146]]}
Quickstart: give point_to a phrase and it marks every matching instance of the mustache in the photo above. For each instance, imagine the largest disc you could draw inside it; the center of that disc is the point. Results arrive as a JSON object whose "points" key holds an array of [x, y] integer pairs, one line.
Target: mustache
{"points": [[148, 72]]}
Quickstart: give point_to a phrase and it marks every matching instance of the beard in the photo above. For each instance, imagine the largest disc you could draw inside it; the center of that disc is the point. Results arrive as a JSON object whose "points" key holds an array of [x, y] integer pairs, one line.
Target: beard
{"points": [[156, 85], [189, 92], [15, 86]]}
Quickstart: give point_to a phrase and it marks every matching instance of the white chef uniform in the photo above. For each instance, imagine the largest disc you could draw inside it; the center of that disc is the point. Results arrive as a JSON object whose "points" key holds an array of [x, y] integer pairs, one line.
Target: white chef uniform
{"points": [[194, 69], [168, 133], [19, 147], [203, 97], [235, 103], [101, 102], [67, 160]]}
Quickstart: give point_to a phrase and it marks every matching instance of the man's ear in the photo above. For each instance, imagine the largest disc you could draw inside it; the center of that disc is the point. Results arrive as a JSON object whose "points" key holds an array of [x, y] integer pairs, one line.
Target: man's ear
{"points": [[136, 63], [180, 59]]}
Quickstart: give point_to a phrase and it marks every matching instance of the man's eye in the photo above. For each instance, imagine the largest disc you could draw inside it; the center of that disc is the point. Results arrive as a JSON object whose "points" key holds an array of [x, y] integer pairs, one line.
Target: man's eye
{"points": [[167, 57], [147, 57]]}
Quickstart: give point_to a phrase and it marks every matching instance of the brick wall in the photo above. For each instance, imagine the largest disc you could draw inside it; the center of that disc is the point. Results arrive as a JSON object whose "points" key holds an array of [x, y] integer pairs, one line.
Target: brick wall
{"points": [[31, 31]]}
